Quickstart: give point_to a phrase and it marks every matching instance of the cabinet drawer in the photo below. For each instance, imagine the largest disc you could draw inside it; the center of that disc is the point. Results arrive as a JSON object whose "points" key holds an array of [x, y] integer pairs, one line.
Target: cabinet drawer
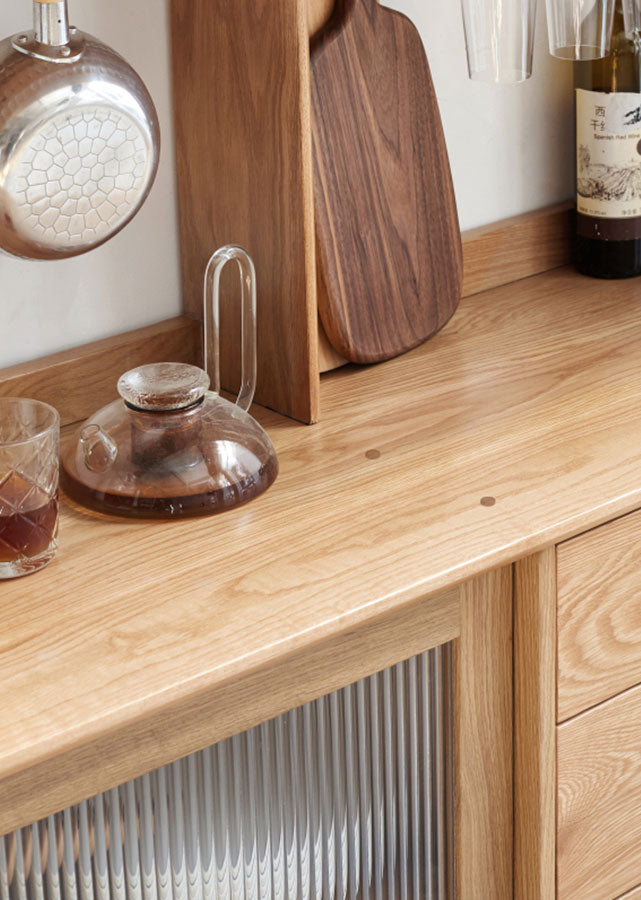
{"points": [[599, 801], [599, 615]]}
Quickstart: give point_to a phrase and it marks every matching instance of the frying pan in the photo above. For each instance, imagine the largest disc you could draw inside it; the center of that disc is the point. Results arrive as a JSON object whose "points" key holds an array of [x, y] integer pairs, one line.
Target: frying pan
{"points": [[79, 139]]}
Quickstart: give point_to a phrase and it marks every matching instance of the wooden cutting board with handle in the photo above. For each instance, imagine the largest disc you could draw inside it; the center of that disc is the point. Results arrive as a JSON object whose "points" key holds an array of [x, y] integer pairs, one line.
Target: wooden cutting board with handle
{"points": [[387, 233]]}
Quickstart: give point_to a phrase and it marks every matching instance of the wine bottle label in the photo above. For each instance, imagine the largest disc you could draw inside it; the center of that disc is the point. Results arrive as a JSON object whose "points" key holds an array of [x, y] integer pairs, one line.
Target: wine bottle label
{"points": [[608, 149]]}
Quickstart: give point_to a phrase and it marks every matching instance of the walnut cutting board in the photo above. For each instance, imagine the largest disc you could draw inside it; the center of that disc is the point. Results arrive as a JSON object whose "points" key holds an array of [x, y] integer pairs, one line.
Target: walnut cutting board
{"points": [[388, 240]]}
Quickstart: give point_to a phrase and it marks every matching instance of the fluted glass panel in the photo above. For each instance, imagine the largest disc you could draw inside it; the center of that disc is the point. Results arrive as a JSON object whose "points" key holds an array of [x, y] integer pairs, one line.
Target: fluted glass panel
{"points": [[347, 797]]}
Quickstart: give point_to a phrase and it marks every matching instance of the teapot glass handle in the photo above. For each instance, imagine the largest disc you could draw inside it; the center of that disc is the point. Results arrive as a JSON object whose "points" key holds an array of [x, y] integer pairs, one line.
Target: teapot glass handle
{"points": [[211, 321]]}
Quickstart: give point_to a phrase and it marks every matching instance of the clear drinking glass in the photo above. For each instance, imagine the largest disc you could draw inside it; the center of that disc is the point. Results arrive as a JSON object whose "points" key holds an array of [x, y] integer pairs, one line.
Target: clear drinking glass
{"points": [[499, 36], [29, 437], [580, 29]]}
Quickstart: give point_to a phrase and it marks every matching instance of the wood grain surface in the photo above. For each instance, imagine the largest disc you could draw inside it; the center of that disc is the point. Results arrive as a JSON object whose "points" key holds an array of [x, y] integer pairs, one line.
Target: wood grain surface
{"points": [[634, 894], [517, 247], [535, 726], [79, 381], [599, 615], [599, 800], [244, 169], [496, 254], [514, 428], [328, 358], [388, 244], [483, 721]]}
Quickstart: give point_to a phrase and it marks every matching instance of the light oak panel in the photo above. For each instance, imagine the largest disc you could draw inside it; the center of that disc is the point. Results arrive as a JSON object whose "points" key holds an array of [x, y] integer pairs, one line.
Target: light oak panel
{"points": [[483, 721], [532, 412], [79, 381], [599, 800], [262, 692], [634, 894], [534, 726], [516, 248], [244, 172], [328, 358], [599, 615]]}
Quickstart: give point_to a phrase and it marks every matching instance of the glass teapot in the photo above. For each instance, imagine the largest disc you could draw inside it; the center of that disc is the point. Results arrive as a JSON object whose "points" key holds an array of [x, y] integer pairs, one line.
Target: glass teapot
{"points": [[170, 447]]}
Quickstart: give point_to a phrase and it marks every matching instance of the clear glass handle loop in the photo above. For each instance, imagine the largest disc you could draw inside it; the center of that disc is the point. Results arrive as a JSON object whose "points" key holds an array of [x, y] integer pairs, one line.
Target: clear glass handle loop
{"points": [[211, 321]]}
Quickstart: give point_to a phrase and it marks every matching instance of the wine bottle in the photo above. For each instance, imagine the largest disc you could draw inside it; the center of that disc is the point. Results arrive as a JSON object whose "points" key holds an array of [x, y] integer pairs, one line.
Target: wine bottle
{"points": [[608, 158]]}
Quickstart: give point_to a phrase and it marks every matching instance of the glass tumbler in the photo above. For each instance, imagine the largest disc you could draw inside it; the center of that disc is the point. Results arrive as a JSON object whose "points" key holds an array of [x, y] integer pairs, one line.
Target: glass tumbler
{"points": [[29, 438], [580, 29], [499, 39]]}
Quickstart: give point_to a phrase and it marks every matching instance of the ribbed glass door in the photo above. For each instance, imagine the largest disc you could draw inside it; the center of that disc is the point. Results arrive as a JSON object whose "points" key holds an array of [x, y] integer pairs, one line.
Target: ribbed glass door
{"points": [[349, 796]]}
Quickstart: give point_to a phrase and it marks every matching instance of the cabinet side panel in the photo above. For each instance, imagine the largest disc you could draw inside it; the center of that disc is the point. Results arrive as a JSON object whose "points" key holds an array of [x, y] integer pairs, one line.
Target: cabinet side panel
{"points": [[243, 157]]}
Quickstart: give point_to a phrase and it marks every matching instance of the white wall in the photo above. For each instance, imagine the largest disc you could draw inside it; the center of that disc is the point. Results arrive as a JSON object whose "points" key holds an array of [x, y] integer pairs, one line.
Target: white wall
{"points": [[510, 146], [510, 150]]}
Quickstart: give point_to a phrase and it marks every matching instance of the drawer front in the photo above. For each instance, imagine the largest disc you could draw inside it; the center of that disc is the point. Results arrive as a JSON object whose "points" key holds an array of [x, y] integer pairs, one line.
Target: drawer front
{"points": [[599, 801], [599, 615]]}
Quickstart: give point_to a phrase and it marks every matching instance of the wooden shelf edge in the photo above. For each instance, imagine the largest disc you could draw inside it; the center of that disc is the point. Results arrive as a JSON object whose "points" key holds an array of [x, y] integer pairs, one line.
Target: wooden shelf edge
{"points": [[516, 248]]}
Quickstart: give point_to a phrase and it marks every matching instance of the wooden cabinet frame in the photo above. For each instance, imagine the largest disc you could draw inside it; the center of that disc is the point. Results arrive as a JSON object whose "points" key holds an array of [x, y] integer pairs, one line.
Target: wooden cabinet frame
{"points": [[477, 615], [535, 726]]}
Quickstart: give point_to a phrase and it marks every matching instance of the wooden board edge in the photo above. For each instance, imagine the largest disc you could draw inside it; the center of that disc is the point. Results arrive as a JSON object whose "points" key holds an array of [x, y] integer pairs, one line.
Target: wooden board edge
{"points": [[500, 253], [254, 188], [483, 742], [634, 894], [188, 724], [535, 726], [78, 381]]}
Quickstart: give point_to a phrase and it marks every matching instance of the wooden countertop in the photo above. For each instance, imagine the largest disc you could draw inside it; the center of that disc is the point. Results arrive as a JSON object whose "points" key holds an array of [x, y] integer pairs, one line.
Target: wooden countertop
{"points": [[145, 640]]}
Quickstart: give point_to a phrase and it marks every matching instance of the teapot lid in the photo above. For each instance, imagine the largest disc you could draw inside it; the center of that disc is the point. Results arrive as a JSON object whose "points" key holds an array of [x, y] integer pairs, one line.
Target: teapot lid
{"points": [[163, 387]]}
